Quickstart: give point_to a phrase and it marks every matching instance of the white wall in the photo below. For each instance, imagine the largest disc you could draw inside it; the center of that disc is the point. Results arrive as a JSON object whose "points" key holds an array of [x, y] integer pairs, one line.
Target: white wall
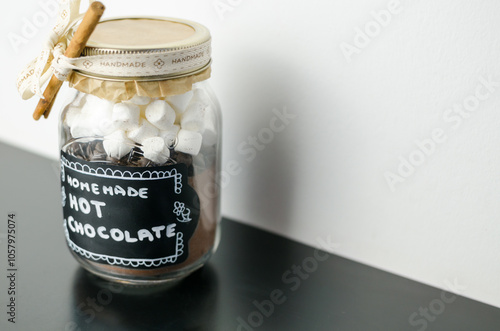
{"points": [[325, 174]]}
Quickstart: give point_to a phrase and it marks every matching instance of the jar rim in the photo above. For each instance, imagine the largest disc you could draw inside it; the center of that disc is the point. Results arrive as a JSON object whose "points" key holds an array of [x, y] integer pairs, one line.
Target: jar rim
{"points": [[146, 48]]}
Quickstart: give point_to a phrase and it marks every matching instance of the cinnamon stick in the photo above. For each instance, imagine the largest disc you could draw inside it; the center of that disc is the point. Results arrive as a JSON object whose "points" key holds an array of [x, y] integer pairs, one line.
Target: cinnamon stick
{"points": [[75, 48]]}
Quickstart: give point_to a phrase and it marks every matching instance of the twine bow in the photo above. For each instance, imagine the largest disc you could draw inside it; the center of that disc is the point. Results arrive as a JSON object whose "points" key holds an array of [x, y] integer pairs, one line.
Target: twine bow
{"points": [[51, 60]]}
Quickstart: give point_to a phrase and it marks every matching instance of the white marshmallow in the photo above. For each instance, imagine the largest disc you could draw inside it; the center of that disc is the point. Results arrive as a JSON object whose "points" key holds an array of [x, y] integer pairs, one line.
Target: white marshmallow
{"points": [[117, 145], [155, 150], [178, 117], [81, 126], [95, 105], [101, 122], [143, 111], [104, 126], [140, 101], [93, 119], [78, 100], [92, 99], [170, 135], [202, 96], [179, 102], [142, 132], [210, 136], [126, 116], [193, 118], [160, 114], [71, 115], [188, 142]]}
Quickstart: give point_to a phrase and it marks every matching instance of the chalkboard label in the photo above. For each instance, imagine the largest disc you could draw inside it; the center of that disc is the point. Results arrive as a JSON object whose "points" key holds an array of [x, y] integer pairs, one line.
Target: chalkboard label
{"points": [[128, 216]]}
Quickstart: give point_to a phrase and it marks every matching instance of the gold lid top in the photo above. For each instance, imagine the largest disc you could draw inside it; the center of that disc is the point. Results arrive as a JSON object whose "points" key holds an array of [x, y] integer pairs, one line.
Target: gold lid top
{"points": [[145, 34]]}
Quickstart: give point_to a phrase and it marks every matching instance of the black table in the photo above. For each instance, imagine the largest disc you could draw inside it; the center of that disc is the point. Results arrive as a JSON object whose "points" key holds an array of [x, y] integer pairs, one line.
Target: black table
{"points": [[256, 280]]}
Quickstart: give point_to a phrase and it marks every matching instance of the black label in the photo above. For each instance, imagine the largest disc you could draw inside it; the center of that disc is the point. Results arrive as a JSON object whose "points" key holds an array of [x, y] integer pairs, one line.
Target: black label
{"points": [[128, 216]]}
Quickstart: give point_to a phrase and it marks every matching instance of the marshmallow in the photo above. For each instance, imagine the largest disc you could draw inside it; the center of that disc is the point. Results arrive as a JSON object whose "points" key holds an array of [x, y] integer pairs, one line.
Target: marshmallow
{"points": [[104, 125], [126, 116], [78, 99], [72, 115], [202, 96], [94, 105], [140, 101], [144, 131], [155, 150], [188, 142], [170, 135], [179, 102], [101, 122], [193, 118], [86, 123], [160, 114], [143, 111], [210, 136], [81, 126], [178, 117], [117, 145], [91, 99]]}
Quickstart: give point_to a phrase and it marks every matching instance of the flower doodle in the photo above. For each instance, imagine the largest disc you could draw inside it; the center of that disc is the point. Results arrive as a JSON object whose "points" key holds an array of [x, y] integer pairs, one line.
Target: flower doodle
{"points": [[87, 64], [181, 210], [159, 63]]}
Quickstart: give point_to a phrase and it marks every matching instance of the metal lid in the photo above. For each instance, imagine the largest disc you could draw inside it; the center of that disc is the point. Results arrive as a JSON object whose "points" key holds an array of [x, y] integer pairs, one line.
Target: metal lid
{"points": [[146, 48]]}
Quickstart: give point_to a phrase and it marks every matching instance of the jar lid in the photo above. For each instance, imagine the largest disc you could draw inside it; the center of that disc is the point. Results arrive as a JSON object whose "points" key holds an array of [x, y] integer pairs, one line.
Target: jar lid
{"points": [[146, 48]]}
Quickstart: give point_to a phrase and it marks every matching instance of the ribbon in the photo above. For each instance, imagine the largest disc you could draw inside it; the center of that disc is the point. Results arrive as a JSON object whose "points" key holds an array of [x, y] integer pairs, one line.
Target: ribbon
{"points": [[142, 64], [51, 60]]}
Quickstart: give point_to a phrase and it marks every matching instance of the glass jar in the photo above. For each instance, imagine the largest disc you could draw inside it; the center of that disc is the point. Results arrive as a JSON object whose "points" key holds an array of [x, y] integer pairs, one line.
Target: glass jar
{"points": [[140, 152]]}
